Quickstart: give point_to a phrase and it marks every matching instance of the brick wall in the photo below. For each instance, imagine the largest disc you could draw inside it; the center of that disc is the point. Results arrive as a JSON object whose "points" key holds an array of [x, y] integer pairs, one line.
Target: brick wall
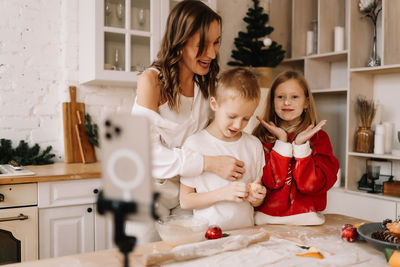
{"points": [[38, 61]]}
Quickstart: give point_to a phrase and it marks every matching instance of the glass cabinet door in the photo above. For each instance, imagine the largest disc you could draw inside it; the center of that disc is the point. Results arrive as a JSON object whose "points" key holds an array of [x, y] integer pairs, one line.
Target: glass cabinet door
{"points": [[114, 13], [114, 51], [117, 39], [140, 15], [127, 35]]}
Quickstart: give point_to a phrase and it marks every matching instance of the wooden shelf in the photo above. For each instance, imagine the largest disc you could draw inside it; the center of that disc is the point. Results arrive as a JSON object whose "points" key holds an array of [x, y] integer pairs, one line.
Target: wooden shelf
{"points": [[331, 56], [329, 90], [291, 60], [375, 156], [395, 68]]}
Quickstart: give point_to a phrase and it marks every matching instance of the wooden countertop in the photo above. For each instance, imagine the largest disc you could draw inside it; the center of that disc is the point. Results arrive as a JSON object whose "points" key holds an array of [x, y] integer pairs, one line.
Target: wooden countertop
{"points": [[56, 172], [283, 241]]}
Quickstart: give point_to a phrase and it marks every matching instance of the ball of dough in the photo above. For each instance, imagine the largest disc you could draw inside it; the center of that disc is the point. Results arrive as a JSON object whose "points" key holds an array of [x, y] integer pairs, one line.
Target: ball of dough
{"points": [[256, 188]]}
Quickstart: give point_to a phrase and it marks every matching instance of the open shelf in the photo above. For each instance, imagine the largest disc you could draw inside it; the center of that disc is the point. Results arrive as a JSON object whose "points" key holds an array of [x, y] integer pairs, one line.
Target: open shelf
{"points": [[330, 56], [292, 60], [329, 90], [375, 156], [394, 68]]}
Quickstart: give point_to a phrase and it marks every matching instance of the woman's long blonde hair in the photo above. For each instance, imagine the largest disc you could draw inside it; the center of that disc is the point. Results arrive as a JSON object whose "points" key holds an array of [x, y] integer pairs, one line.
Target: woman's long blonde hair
{"points": [[308, 117], [185, 19]]}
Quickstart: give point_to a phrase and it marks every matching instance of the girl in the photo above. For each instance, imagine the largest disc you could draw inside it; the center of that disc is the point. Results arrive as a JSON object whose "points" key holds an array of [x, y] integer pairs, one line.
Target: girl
{"points": [[300, 166]]}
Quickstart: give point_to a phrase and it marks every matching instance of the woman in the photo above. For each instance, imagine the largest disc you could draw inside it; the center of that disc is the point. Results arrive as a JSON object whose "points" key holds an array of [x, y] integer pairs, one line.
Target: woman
{"points": [[173, 94]]}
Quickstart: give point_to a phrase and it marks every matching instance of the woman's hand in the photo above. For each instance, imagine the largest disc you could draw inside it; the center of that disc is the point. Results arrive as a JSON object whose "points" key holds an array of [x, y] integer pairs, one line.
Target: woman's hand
{"points": [[257, 193], [306, 135], [235, 191], [226, 167], [272, 128]]}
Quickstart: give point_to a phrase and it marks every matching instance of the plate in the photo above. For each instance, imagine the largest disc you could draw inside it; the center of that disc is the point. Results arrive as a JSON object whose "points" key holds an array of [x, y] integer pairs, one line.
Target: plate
{"points": [[365, 231]]}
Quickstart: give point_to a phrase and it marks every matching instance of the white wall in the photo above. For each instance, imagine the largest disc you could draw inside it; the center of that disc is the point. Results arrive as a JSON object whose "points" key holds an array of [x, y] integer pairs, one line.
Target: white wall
{"points": [[39, 60], [233, 12]]}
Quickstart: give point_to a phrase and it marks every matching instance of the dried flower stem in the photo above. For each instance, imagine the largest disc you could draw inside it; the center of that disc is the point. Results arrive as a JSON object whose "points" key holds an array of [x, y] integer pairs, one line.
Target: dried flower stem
{"points": [[365, 112]]}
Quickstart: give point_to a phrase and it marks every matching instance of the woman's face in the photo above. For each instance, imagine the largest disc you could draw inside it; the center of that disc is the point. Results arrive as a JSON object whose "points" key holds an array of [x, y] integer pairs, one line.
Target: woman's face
{"points": [[201, 65]]}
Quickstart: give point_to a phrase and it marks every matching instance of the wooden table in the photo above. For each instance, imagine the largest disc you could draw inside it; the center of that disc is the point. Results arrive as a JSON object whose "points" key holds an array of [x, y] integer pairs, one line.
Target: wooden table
{"points": [[283, 239]]}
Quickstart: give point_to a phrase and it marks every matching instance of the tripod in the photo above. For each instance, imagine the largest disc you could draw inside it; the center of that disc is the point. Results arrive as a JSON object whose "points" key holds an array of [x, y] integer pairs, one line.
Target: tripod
{"points": [[120, 210]]}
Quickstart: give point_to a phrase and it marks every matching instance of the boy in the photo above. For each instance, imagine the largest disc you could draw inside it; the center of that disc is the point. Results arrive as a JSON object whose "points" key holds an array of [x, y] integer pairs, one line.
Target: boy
{"points": [[224, 203]]}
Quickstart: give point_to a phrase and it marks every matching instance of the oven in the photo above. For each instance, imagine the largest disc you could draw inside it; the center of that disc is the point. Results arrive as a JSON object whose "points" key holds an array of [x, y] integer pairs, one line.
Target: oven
{"points": [[18, 223]]}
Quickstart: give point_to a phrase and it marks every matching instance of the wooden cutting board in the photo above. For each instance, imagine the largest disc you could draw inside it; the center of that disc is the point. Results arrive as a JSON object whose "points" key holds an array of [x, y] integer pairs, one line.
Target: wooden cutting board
{"points": [[76, 142]]}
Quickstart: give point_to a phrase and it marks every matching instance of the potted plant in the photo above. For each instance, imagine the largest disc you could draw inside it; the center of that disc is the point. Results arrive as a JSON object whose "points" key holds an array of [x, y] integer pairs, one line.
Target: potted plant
{"points": [[254, 49]]}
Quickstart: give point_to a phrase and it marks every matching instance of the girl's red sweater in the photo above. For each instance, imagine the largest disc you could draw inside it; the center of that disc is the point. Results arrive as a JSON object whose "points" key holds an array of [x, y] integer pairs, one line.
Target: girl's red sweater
{"points": [[299, 185]]}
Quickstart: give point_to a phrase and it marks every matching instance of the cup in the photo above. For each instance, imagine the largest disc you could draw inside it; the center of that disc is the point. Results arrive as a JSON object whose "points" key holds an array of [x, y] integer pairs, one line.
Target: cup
{"points": [[373, 172]]}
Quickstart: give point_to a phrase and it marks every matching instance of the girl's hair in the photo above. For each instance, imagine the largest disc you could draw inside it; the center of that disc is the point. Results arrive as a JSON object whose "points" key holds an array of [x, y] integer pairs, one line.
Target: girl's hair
{"points": [[308, 117], [239, 80], [184, 20]]}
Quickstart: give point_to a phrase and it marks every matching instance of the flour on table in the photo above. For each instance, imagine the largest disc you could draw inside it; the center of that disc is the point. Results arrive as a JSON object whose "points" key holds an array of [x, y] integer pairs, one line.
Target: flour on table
{"points": [[280, 252]]}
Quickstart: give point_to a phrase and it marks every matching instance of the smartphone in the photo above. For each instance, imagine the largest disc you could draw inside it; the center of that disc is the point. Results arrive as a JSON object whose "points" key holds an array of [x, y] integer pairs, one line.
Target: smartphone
{"points": [[126, 160]]}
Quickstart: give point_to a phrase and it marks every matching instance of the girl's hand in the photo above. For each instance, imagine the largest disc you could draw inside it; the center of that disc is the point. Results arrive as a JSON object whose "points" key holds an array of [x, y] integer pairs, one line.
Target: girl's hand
{"points": [[272, 128], [257, 193], [226, 167], [306, 135], [235, 191]]}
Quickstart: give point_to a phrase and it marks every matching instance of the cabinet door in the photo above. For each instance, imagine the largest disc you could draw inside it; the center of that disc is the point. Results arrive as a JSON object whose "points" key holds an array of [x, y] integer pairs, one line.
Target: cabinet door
{"points": [[360, 206], [117, 40], [66, 230], [104, 231]]}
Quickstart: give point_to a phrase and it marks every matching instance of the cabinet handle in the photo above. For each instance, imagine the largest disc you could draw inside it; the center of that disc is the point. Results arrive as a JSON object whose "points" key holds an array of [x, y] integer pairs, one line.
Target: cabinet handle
{"points": [[1, 198], [89, 210], [96, 191], [20, 217]]}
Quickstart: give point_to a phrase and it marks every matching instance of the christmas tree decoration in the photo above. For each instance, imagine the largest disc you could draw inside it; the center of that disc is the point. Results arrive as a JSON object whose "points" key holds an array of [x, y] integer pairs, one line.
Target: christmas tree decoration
{"points": [[253, 49], [267, 42]]}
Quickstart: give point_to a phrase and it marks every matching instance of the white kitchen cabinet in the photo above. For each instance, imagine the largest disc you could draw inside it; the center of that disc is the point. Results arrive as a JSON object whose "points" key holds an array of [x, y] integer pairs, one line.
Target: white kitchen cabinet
{"points": [[66, 231], [114, 47], [103, 230], [68, 221], [360, 205], [119, 38]]}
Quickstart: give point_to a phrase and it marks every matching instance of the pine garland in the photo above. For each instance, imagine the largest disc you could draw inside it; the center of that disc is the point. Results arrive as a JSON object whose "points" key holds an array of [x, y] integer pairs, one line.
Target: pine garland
{"points": [[91, 129], [24, 154], [250, 49]]}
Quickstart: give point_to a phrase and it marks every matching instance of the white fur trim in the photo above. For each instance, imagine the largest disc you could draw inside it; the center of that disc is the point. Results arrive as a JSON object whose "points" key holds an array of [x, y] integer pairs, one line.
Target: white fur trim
{"points": [[301, 151], [283, 148]]}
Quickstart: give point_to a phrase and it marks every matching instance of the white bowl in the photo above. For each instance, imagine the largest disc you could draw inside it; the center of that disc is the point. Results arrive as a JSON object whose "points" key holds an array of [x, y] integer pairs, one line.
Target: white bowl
{"points": [[181, 229]]}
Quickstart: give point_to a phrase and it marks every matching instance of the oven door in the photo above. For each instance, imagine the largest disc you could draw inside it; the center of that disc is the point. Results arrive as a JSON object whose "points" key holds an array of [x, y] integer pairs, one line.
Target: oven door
{"points": [[18, 234]]}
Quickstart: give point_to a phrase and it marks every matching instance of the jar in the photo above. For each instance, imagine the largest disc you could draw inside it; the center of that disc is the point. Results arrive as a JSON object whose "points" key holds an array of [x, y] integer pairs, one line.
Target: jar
{"points": [[364, 140]]}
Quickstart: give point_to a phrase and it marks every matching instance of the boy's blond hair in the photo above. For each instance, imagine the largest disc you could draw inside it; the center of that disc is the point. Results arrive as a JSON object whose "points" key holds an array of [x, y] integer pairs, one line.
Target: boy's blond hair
{"points": [[241, 81]]}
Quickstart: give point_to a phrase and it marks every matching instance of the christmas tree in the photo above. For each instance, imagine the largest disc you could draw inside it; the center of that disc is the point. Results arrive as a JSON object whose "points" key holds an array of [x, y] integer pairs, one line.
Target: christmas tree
{"points": [[253, 48]]}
